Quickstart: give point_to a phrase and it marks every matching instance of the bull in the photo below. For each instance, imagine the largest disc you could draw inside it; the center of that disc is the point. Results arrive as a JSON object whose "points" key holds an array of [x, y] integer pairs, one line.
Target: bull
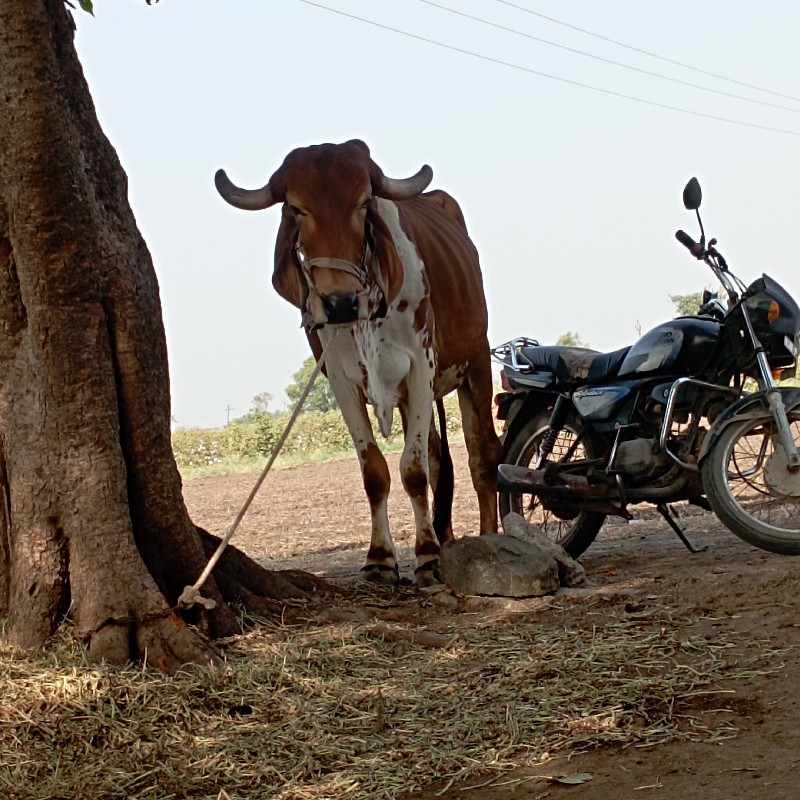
{"points": [[389, 288]]}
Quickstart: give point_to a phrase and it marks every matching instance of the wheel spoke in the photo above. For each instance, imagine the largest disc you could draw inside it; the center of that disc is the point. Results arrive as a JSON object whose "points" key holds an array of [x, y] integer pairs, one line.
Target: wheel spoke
{"points": [[568, 447], [746, 462]]}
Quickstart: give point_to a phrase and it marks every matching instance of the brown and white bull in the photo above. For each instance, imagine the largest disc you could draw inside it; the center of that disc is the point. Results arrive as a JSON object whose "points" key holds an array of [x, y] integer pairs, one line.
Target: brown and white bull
{"points": [[390, 288]]}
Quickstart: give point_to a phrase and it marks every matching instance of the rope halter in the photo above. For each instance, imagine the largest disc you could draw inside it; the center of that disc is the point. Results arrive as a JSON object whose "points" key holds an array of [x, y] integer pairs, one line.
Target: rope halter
{"points": [[368, 274]]}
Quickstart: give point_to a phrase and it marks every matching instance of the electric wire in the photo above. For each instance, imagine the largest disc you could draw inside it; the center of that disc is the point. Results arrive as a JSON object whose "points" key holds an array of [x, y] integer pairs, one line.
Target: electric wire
{"points": [[646, 52], [560, 79], [607, 60]]}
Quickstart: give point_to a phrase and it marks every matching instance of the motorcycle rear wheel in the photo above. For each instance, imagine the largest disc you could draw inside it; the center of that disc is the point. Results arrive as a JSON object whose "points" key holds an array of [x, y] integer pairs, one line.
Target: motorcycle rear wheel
{"points": [[750, 489], [576, 534]]}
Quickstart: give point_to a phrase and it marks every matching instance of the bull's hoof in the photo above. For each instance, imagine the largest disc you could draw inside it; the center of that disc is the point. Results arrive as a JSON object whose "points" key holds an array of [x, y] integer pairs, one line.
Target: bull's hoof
{"points": [[382, 574], [428, 576]]}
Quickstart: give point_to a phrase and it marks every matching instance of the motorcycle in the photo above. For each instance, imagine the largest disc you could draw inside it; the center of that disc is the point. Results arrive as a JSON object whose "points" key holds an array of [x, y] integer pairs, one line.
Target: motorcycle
{"points": [[690, 412]]}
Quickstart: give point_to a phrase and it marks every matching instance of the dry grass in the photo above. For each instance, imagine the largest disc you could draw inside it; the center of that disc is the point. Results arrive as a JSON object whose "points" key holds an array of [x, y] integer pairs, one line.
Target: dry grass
{"points": [[329, 711]]}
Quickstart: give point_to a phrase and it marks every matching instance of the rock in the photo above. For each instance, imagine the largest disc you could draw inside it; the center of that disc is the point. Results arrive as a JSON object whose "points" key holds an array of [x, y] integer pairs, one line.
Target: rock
{"points": [[445, 600], [570, 572], [498, 565]]}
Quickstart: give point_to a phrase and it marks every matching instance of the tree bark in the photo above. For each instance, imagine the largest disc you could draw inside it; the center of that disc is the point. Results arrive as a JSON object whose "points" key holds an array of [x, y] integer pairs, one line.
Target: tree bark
{"points": [[92, 521]]}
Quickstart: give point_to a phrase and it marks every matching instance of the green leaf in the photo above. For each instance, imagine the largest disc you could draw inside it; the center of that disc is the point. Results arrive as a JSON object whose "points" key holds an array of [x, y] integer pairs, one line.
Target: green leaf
{"points": [[87, 6]]}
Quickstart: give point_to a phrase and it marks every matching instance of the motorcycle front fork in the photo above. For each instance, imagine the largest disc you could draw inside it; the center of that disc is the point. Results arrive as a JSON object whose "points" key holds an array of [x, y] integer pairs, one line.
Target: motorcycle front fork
{"points": [[784, 433], [775, 401]]}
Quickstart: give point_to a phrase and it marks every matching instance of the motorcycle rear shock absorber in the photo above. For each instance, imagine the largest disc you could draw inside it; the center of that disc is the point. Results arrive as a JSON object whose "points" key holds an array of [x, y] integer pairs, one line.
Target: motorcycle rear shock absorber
{"points": [[557, 420]]}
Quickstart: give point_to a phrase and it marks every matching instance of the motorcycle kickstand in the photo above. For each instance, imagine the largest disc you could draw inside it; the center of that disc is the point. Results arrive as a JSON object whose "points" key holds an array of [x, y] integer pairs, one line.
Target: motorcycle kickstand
{"points": [[669, 515]]}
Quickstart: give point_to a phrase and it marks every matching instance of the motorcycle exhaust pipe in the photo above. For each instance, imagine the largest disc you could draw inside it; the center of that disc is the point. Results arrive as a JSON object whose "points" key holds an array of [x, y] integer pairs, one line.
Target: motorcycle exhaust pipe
{"points": [[512, 478]]}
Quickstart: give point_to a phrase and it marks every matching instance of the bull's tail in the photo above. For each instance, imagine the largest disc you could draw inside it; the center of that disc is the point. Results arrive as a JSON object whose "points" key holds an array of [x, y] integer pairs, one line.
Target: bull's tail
{"points": [[443, 494]]}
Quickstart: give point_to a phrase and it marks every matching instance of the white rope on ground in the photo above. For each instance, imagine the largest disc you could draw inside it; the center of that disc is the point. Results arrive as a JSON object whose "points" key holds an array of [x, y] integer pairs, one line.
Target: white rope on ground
{"points": [[191, 594]]}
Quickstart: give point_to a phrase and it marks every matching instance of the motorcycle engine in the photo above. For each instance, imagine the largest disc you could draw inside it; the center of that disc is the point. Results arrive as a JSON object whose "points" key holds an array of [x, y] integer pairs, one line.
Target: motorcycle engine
{"points": [[637, 459]]}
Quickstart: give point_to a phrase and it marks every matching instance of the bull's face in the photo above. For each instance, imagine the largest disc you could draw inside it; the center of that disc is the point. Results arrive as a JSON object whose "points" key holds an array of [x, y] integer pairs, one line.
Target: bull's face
{"points": [[326, 257], [327, 196]]}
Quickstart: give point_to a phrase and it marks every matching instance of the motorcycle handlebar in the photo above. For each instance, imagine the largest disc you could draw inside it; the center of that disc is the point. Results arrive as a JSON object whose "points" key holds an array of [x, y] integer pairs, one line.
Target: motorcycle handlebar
{"points": [[695, 248]]}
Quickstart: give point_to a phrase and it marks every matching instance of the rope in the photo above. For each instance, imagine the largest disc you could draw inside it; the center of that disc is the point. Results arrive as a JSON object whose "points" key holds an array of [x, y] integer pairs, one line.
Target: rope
{"points": [[191, 594]]}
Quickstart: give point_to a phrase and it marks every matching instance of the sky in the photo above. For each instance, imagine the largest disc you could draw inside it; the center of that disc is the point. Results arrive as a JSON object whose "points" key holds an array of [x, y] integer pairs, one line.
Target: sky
{"points": [[571, 189]]}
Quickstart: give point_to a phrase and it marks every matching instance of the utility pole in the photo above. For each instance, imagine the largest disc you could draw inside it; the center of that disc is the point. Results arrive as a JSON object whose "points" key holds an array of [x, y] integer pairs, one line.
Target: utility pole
{"points": [[228, 409]]}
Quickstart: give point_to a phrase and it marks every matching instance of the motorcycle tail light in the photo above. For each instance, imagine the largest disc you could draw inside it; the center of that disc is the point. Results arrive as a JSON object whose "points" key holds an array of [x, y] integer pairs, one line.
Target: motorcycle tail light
{"points": [[504, 381]]}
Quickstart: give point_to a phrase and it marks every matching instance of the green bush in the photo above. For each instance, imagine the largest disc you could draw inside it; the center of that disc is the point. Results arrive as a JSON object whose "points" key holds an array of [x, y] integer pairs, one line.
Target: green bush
{"points": [[315, 434], [197, 447], [267, 432], [318, 432], [452, 414]]}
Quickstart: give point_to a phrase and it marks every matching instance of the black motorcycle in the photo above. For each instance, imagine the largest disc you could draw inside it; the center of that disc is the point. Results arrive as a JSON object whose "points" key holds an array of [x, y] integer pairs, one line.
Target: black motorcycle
{"points": [[691, 412]]}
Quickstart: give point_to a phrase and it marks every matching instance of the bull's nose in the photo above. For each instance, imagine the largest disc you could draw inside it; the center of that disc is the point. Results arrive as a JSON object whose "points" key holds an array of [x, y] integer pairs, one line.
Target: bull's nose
{"points": [[341, 308]]}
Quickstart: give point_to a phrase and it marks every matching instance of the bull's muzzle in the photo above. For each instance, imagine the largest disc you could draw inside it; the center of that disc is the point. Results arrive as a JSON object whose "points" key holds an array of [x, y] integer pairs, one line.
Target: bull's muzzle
{"points": [[341, 308]]}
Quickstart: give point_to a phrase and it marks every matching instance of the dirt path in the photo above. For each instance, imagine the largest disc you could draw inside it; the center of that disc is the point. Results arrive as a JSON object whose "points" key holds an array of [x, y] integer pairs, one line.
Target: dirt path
{"points": [[315, 518]]}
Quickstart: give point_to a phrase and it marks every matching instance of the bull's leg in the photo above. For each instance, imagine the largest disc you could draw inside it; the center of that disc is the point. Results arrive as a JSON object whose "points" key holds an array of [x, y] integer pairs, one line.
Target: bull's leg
{"points": [[440, 471], [435, 464], [417, 412], [483, 446], [381, 566]]}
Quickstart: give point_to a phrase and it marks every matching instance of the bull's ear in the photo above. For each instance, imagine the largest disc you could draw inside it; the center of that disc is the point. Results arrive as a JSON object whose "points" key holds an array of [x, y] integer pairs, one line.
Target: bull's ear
{"points": [[287, 279], [391, 266]]}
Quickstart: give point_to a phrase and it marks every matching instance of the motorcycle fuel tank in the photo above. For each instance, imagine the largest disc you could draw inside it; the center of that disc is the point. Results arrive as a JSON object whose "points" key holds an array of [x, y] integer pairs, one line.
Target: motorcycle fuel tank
{"points": [[683, 345]]}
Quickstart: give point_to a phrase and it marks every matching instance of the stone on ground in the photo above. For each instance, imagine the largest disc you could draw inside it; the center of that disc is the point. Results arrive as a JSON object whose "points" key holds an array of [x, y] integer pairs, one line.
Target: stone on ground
{"points": [[522, 563], [498, 565], [570, 572]]}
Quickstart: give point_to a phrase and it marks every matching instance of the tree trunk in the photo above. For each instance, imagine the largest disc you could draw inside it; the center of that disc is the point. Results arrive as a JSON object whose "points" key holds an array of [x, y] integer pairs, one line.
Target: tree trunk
{"points": [[92, 521]]}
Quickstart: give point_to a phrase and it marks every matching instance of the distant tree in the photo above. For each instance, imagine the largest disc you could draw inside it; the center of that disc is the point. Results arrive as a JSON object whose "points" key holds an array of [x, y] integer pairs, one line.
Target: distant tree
{"points": [[259, 407], [321, 397], [571, 339], [261, 402], [687, 304]]}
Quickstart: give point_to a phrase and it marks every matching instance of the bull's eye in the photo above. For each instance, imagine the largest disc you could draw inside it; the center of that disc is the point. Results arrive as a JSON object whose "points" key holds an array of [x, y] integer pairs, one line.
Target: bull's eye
{"points": [[298, 212]]}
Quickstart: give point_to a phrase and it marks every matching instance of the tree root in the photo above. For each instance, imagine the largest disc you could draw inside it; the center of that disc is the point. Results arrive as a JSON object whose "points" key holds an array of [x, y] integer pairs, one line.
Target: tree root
{"points": [[260, 591], [163, 641], [168, 639]]}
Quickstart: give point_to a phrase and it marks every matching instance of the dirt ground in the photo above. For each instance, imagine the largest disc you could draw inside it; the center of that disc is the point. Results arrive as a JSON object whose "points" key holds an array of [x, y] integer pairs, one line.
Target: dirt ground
{"points": [[315, 518]]}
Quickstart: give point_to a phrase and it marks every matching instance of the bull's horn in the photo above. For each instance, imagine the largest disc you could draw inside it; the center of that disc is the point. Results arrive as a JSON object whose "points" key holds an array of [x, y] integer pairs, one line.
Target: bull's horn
{"points": [[395, 189], [247, 199]]}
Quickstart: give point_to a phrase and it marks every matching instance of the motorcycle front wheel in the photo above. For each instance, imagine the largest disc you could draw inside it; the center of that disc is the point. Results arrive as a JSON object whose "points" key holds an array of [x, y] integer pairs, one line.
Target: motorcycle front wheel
{"points": [[576, 533], [749, 487]]}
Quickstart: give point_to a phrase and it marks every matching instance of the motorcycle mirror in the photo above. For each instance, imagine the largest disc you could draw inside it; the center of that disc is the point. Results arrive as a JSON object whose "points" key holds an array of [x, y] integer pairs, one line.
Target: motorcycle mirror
{"points": [[692, 195]]}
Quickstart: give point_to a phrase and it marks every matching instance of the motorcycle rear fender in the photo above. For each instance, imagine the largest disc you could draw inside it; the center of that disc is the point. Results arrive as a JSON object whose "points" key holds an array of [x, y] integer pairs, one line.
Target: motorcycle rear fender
{"points": [[753, 406], [521, 410]]}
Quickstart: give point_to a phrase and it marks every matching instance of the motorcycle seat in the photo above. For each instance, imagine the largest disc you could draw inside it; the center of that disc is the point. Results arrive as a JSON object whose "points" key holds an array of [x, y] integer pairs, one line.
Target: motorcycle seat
{"points": [[574, 364]]}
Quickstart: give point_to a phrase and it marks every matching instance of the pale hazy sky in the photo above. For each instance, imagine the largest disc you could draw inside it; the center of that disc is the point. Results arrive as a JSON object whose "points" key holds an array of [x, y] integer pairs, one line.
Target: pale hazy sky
{"points": [[572, 195]]}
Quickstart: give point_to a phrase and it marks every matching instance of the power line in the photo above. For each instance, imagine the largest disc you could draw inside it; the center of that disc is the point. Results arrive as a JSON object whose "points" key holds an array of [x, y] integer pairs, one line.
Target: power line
{"points": [[647, 52], [607, 60], [558, 78]]}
